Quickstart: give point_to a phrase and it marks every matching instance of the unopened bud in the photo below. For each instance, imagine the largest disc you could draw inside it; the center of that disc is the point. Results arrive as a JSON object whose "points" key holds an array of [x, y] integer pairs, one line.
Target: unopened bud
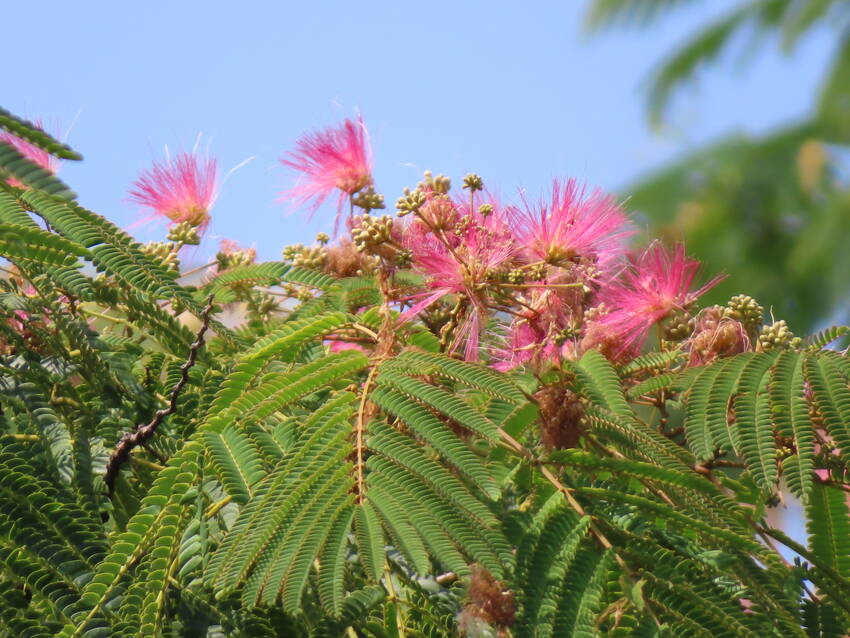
{"points": [[485, 210], [473, 182]]}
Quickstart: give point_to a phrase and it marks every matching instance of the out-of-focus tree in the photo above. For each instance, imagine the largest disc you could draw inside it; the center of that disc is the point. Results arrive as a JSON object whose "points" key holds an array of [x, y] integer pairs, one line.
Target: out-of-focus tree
{"points": [[773, 210]]}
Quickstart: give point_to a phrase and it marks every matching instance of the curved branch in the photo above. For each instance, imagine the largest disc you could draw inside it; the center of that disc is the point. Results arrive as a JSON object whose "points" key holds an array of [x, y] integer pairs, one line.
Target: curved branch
{"points": [[143, 433]]}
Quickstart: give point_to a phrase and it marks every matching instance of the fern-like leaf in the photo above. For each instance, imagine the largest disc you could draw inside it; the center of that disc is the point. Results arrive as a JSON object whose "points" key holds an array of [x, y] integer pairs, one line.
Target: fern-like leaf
{"points": [[31, 133], [828, 525]]}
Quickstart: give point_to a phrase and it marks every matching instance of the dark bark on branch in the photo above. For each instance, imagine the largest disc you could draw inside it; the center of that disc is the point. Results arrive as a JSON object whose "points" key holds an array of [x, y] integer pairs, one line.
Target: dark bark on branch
{"points": [[143, 433]]}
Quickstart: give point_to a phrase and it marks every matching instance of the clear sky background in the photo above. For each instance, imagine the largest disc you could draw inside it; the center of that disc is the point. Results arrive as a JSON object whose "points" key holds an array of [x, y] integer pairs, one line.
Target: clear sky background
{"points": [[515, 91]]}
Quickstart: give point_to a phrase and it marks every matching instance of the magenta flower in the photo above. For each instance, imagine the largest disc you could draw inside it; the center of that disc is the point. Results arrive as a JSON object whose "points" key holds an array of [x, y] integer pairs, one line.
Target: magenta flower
{"points": [[182, 189], [330, 160], [571, 226], [462, 270], [655, 284], [33, 153]]}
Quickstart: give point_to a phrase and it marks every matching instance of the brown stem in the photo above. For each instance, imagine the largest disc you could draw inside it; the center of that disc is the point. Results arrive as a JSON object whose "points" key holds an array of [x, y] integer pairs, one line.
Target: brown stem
{"points": [[143, 433], [446, 579], [541, 285], [348, 339], [386, 339], [198, 269], [359, 431]]}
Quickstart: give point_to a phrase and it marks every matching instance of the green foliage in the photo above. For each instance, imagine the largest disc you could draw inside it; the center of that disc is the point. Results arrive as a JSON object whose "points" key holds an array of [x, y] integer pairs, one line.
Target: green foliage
{"points": [[19, 167], [13, 164], [293, 488], [26, 130]]}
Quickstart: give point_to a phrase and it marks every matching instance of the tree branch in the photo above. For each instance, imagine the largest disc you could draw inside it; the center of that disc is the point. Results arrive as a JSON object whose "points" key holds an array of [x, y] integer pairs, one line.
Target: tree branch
{"points": [[143, 433]]}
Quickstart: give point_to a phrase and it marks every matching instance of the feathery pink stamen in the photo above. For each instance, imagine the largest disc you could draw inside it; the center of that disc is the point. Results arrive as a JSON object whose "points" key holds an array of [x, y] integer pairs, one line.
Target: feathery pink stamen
{"points": [[655, 284], [182, 189], [335, 159], [571, 225], [461, 268]]}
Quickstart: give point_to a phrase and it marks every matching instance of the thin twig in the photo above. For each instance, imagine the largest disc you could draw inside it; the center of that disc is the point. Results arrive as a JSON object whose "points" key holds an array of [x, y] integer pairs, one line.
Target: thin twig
{"points": [[446, 579], [156, 467], [360, 430], [198, 269], [143, 433], [541, 285], [157, 455]]}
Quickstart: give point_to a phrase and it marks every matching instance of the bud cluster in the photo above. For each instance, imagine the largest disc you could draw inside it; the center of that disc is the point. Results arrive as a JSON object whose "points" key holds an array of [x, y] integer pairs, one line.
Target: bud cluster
{"points": [[370, 232], [164, 251], [473, 182], [715, 335], [516, 276], [299, 293], [305, 256], [536, 272], [439, 184], [235, 258], [404, 258], [439, 213], [184, 233], [410, 202], [777, 336], [745, 309], [369, 200], [679, 326]]}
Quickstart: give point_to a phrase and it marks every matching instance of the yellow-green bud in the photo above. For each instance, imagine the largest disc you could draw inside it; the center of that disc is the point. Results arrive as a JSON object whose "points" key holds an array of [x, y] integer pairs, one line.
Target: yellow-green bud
{"points": [[369, 200], [473, 182], [164, 252], [778, 336], [184, 233], [744, 309], [312, 257]]}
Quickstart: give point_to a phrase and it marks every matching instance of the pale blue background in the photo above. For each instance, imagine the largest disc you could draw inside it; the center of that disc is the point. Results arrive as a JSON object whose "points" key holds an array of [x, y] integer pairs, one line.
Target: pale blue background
{"points": [[516, 91]]}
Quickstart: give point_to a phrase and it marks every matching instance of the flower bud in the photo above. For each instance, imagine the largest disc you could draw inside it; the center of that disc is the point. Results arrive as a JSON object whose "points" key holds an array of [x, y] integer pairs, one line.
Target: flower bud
{"points": [[473, 182]]}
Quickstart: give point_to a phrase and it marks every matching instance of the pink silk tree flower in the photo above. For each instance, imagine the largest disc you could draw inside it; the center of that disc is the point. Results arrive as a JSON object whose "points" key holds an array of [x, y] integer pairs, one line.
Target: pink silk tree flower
{"points": [[655, 284], [33, 153], [182, 189], [462, 270], [335, 159], [571, 226]]}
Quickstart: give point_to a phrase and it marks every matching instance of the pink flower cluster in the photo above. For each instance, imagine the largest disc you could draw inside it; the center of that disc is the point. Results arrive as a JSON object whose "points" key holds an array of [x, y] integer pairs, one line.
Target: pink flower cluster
{"points": [[554, 277], [571, 225], [183, 189], [580, 286], [460, 262], [556, 272]]}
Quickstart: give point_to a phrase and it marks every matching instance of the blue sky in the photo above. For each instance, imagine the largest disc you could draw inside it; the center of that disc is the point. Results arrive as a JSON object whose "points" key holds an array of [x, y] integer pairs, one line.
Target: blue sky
{"points": [[517, 92]]}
